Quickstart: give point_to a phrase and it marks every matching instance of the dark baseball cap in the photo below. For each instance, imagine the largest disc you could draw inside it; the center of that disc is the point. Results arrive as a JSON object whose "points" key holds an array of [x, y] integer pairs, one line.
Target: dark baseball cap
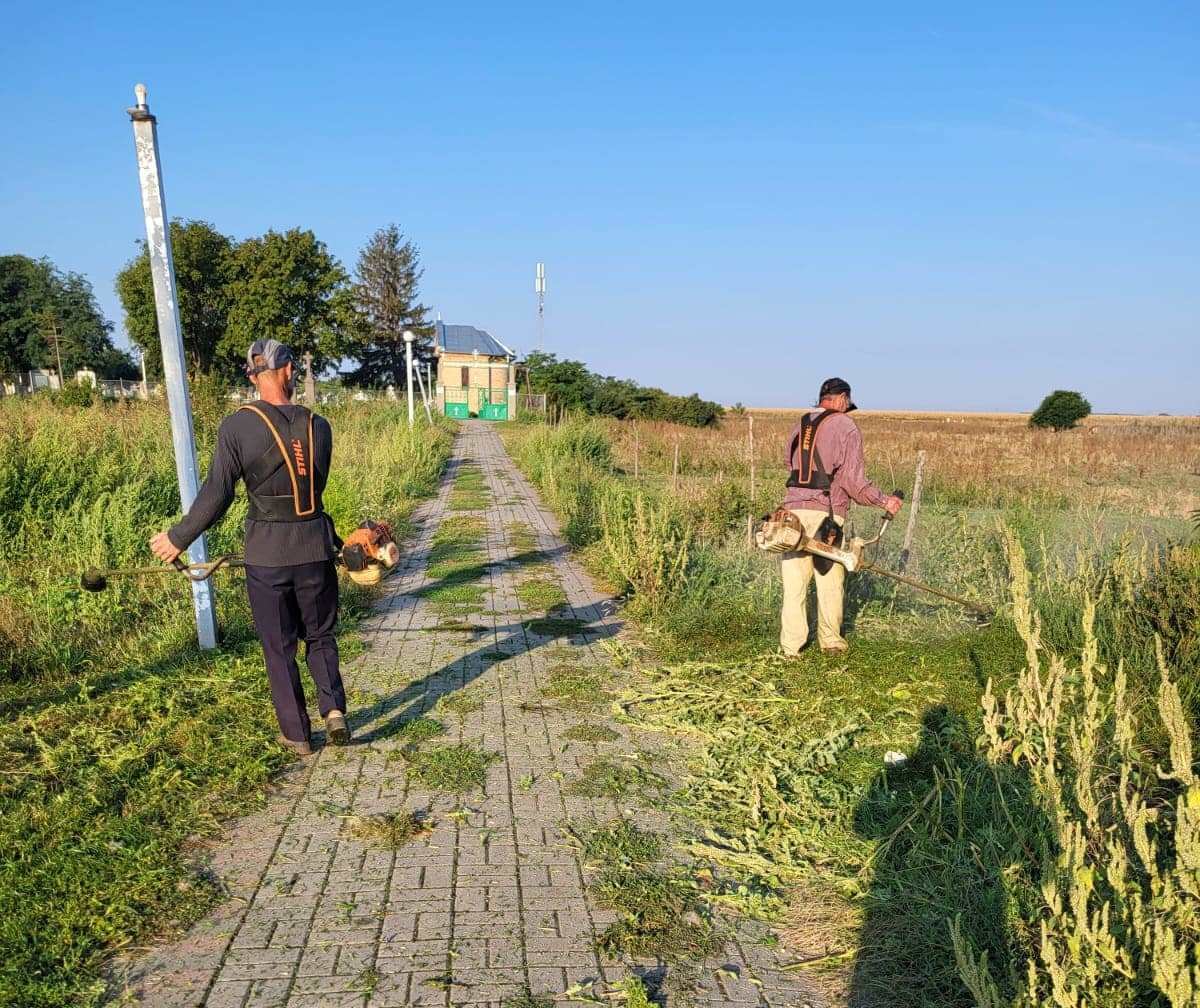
{"points": [[273, 353], [836, 386]]}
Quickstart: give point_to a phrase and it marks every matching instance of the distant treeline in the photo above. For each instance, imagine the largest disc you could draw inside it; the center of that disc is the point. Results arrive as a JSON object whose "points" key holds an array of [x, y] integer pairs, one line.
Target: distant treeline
{"points": [[571, 385], [281, 284]]}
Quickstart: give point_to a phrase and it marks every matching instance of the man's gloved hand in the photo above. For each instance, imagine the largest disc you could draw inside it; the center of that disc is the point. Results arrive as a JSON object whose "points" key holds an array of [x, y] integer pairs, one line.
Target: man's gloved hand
{"points": [[162, 547], [893, 505]]}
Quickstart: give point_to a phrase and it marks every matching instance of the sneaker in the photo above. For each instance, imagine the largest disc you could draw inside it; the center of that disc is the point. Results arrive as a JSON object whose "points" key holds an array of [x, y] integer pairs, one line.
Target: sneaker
{"points": [[303, 748], [335, 725]]}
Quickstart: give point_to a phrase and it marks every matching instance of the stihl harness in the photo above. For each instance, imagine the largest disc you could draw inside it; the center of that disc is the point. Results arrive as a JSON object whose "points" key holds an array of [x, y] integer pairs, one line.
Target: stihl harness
{"points": [[809, 472], [293, 450]]}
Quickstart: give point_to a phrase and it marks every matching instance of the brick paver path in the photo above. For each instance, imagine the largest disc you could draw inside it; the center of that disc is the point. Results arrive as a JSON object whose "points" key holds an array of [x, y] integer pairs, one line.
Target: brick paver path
{"points": [[492, 903]]}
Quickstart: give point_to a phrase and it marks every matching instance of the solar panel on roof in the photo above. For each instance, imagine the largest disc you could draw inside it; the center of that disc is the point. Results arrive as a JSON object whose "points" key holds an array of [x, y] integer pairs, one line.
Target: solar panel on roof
{"points": [[468, 339]]}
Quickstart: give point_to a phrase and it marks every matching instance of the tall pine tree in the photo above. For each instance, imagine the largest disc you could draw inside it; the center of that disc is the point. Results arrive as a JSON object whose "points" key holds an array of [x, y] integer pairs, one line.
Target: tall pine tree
{"points": [[385, 295]]}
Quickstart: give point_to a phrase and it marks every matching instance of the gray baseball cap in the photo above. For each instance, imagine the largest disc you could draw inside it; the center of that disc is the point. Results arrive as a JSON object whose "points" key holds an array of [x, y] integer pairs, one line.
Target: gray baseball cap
{"points": [[273, 353]]}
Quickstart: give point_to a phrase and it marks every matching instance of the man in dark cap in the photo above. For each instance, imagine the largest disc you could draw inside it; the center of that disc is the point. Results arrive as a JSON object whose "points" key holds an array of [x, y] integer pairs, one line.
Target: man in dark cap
{"points": [[282, 452], [828, 471]]}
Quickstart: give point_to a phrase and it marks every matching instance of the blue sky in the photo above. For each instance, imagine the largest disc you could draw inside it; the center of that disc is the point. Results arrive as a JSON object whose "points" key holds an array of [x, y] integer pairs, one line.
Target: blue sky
{"points": [[950, 207]]}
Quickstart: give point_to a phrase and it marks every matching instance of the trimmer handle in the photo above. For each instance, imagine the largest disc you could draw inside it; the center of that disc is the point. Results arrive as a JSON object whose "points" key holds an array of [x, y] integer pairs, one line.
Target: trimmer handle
{"points": [[887, 520]]}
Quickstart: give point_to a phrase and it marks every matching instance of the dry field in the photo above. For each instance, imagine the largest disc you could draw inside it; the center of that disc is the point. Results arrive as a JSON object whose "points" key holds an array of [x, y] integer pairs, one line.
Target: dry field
{"points": [[1131, 464]]}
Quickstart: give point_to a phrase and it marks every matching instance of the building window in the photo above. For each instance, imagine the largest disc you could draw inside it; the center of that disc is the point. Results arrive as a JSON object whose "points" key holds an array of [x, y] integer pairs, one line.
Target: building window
{"points": [[466, 377]]}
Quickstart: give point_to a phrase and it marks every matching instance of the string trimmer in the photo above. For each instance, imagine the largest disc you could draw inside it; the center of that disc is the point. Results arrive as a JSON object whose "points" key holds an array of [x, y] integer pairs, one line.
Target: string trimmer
{"points": [[782, 532], [367, 552]]}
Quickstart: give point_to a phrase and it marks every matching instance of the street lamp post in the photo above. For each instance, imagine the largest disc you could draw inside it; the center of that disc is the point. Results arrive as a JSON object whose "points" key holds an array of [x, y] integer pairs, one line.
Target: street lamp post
{"points": [[408, 342], [166, 301]]}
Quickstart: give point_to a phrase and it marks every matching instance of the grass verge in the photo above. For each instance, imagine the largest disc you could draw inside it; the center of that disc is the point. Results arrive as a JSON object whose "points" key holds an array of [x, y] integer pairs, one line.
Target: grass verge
{"points": [[121, 741]]}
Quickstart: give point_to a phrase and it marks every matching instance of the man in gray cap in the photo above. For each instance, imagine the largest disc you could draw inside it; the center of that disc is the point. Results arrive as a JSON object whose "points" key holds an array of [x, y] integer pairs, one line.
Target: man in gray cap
{"points": [[282, 452], [827, 472]]}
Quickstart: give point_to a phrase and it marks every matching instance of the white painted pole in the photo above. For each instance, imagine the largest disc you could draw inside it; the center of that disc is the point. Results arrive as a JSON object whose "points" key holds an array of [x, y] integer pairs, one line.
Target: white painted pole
{"points": [[424, 395], [408, 342], [179, 405]]}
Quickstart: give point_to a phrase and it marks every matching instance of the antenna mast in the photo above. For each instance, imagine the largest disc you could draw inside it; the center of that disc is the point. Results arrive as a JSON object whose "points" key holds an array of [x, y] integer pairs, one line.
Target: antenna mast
{"points": [[539, 288]]}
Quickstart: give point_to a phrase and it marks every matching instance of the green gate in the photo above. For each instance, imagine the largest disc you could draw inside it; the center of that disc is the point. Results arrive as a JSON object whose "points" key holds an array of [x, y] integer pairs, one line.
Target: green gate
{"points": [[455, 404], [493, 404]]}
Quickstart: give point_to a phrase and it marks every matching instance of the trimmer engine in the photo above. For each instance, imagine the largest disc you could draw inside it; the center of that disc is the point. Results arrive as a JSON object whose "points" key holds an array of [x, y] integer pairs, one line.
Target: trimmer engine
{"points": [[368, 551]]}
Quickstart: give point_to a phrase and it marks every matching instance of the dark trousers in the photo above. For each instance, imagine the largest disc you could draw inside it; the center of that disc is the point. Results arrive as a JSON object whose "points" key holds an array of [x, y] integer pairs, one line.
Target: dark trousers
{"points": [[289, 603]]}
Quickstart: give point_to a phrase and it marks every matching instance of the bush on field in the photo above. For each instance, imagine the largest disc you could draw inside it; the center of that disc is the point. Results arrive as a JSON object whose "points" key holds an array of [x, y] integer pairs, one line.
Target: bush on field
{"points": [[1061, 410]]}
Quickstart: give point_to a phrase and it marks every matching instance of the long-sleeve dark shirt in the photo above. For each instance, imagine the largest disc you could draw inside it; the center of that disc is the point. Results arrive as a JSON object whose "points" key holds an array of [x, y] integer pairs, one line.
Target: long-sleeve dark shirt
{"points": [[242, 439]]}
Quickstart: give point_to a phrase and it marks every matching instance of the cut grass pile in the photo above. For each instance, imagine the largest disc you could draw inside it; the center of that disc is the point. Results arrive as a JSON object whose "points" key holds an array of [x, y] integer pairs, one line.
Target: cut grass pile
{"points": [[541, 595], [470, 490], [663, 913], [452, 768], [391, 831], [614, 778]]}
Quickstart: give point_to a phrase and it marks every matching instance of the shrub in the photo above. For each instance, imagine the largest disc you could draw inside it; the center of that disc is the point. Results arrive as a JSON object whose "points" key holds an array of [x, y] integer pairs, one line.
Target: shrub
{"points": [[1061, 410], [1118, 924], [75, 394]]}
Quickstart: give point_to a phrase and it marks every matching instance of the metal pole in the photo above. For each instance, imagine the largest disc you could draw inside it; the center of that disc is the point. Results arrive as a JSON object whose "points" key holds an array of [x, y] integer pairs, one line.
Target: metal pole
{"points": [[162, 268], [424, 395], [408, 342]]}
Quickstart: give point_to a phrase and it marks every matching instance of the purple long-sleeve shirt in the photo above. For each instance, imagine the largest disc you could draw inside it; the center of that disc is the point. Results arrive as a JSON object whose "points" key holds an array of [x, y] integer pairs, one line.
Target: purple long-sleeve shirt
{"points": [[840, 444]]}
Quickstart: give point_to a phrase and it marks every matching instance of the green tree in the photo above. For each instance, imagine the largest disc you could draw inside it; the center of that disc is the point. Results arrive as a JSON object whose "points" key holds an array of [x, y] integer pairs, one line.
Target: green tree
{"points": [[202, 270], [385, 295], [287, 286], [1061, 410], [570, 384], [35, 299]]}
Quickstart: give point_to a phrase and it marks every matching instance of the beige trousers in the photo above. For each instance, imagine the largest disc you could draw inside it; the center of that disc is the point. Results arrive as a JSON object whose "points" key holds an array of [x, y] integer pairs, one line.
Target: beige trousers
{"points": [[798, 571]]}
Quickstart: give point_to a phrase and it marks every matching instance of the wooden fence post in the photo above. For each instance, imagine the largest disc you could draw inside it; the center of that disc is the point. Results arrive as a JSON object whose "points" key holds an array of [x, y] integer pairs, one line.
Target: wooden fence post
{"points": [[910, 529], [637, 444], [752, 473], [675, 471]]}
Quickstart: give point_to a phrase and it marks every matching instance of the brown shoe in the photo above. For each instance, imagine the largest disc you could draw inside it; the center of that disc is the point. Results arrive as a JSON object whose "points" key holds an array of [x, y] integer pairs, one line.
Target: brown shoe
{"points": [[835, 650], [299, 748], [335, 726]]}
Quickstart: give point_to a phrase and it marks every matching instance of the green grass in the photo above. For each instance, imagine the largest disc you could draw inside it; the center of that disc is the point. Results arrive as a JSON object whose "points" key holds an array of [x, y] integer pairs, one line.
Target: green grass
{"points": [[785, 782], [420, 730], [457, 564], [572, 686], [121, 741], [541, 595], [461, 702], [590, 733], [558, 626], [452, 768], [470, 490], [526, 999]]}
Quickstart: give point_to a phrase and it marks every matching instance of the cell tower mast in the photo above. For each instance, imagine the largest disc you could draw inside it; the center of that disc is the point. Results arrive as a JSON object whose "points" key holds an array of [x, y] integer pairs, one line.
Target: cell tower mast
{"points": [[539, 288]]}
